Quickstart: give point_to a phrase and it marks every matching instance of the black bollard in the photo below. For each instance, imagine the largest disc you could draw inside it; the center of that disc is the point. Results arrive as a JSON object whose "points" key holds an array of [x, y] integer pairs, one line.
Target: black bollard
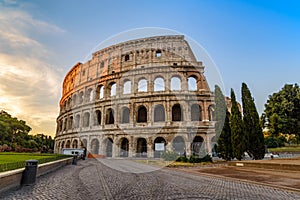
{"points": [[29, 174], [74, 162]]}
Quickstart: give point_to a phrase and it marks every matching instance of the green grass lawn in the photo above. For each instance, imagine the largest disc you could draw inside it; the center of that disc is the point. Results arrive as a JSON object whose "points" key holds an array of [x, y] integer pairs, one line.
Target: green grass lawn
{"points": [[285, 149], [10, 161]]}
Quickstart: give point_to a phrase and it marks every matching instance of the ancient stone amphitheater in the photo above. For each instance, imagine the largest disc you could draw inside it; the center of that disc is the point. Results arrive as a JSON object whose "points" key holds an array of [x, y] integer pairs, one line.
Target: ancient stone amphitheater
{"points": [[137, 99]]}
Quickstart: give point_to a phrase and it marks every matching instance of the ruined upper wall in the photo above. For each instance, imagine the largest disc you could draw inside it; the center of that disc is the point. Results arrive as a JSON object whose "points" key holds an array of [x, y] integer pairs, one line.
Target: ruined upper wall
{"points": [[146, 52]]}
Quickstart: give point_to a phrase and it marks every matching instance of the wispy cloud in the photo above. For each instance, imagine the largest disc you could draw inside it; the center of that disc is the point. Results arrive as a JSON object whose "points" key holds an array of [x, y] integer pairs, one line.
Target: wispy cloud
{"points": [[29, 84]]}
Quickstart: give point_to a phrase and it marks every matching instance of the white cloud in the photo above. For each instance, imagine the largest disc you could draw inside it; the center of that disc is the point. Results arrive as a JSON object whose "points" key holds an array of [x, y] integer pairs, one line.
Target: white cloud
{"points": [[29, 85]]}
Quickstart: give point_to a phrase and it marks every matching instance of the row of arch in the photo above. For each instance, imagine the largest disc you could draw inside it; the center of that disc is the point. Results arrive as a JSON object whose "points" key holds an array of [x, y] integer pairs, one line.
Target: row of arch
{"points": [[139, 147], [159, 115], [142, 86]]}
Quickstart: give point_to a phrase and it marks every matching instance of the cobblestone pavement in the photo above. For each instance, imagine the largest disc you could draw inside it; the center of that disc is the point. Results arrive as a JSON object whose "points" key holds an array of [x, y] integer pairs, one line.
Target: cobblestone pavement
{"points": [[91, 179]]}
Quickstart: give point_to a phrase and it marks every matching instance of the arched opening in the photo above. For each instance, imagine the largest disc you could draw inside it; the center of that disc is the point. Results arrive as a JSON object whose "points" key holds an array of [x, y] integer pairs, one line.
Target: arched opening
{"points": [[141, 147], [196, 112], [99, 92], [70, 126], [75, 144], [109, 147], [65, 124], [110, 116], [68, 144], [74, 100], [63, 144], [176, 113], [124, 148], [125, 115], [159, 146], [175, 83], [98, 117], [89, 95], [179, 145], [83, 143], [127, 87], [158, 54], [211, 113], [113, 89], [81, 97], [86, 119], [192, 84], [197, 145], [142, 114], [77, 121], [159, 84], [142, 85], [95, 146], [159, 113]]}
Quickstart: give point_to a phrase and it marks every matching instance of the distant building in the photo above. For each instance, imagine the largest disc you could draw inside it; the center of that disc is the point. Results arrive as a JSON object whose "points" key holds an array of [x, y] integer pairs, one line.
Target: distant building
{"points": [[137, 99]]}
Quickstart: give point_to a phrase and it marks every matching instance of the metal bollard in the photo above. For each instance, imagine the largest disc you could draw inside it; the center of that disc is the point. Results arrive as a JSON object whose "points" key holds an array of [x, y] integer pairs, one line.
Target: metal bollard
{"points": [[29, 174], [74, 162]]}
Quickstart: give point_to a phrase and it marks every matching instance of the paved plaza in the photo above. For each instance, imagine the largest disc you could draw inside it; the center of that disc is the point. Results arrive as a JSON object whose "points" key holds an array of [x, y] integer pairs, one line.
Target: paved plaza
{"points": [[125, 179]]}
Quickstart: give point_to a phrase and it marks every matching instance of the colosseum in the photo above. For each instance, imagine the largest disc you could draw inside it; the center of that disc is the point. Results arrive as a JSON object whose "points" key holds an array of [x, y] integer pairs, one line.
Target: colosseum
{"points": [[137, 99]]}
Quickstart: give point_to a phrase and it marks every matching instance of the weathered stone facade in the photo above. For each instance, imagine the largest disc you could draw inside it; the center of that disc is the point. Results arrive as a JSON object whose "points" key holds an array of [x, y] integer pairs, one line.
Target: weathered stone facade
{"points": [[133, 95]]}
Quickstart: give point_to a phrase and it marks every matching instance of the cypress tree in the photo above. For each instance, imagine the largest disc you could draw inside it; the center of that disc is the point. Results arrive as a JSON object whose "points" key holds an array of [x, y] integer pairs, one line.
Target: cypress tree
{"points": [[237, 129], [253, 130], [224, 148], [220, 110]]}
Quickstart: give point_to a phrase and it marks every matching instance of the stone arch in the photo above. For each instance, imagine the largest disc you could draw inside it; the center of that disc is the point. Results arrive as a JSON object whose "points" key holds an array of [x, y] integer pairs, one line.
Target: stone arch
{"points": [[99, 92], [124, 147], [63, 144], [159, 84], [65, 124], [158, 148], [196, 145], [98, 117], [141, 147], [125, 115], [175, 84], [177, 112], [142, 114], [108, 147], [75, 144], [178, 144], [68, 144], [77, 121], [95, 146], [86, 119], [196, 112], [74, 100], [89, 95], [110, 116], [211, 113], [143, 85], [192, 83], [159, 113], [70, 124], [80, 97], [112, 89], [83, 143], [127, 87]]}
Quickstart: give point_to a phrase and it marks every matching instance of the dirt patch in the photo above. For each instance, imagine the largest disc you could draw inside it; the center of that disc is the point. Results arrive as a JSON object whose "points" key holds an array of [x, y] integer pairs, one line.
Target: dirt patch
{"points": [[288, 179]]}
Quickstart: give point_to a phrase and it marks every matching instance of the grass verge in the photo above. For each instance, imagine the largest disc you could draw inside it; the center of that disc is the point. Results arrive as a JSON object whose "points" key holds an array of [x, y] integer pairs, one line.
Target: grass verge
{"points": [[11, 161]]}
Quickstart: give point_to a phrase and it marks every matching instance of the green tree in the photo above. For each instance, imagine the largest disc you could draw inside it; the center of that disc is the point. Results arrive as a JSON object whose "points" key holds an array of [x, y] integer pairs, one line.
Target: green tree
{"points": [[253, 131], [238, 139], [224, 148], [222, 127], [220, 110], [282, 111]]}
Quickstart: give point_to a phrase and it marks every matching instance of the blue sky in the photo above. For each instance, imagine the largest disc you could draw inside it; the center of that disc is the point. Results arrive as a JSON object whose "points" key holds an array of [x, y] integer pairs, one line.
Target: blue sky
{"points": [[256, 42]]}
